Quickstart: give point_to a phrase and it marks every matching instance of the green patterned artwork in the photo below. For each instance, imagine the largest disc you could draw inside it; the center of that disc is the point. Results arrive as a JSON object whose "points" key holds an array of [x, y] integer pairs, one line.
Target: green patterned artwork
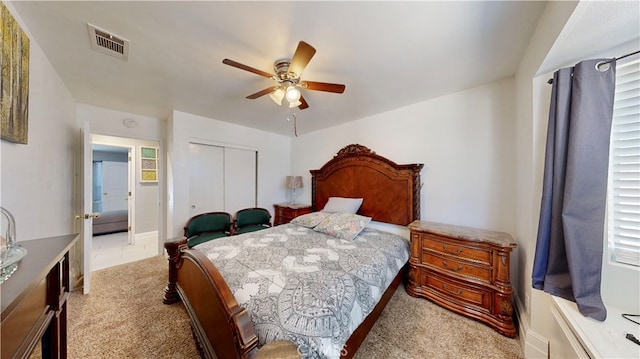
{"points": [[148, 152]]}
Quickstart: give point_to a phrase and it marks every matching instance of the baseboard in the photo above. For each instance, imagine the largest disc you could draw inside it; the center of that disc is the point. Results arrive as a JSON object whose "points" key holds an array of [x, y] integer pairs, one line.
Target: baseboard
{"points": [[77, 284], [150, 237], [536, 346], [521, 320], [533, 344], [146, 235]]}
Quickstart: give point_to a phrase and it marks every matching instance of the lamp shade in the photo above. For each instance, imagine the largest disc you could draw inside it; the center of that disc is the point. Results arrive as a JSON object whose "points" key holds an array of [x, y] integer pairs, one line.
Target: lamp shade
{"points": [[295, 104], [277, 96], [293, 182]]}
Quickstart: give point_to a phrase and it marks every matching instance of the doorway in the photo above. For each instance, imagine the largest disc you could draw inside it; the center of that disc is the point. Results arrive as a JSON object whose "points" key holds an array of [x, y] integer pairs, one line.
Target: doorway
{"points": [[127, 229]]}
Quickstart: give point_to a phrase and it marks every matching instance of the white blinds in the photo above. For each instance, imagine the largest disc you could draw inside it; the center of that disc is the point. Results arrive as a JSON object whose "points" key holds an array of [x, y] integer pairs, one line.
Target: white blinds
{"points": [[624, 168]]}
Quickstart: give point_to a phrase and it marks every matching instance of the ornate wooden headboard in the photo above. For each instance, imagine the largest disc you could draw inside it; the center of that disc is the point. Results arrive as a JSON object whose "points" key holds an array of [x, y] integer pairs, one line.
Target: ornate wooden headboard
{"points": [[391, 192]]}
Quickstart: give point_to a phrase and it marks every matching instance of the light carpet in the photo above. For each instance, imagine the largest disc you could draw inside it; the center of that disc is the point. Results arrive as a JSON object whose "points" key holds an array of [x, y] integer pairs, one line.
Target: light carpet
{"points": [[124, 317]]}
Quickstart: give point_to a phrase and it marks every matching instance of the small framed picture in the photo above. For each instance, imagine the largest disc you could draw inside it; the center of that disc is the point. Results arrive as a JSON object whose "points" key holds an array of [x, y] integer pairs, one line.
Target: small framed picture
{"points": [[148, 164]]}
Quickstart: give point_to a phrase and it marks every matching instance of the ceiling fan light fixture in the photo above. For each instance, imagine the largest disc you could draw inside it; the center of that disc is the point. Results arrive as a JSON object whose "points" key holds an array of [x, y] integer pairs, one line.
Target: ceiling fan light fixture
{"points": [[287, 77], [292, 94], [295, 104], [277, 96]]}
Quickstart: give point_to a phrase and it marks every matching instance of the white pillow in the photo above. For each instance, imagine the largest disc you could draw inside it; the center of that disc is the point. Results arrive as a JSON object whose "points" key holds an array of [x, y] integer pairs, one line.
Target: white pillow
{"points": [[310, 220], [343, 225], [342, 205]]}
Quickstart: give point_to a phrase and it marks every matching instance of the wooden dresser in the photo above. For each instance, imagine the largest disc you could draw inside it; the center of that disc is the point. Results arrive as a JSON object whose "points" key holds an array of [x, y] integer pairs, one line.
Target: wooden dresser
{"points": [[285, 212], [465, 270], [34, 300]]}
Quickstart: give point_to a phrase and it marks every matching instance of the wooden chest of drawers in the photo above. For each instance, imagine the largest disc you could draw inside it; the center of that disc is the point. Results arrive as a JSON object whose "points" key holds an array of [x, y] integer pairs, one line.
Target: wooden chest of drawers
{"points": [[465, 270], [34, 301], [285, 212]]}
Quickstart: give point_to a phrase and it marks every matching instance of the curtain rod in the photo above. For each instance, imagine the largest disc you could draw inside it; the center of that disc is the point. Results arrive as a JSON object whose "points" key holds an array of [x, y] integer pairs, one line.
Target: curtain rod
{"points": [[606, 62]]}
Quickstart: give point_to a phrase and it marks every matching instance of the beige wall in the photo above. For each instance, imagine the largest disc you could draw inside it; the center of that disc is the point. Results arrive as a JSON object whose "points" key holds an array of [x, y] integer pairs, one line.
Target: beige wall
{"points": [[37, 179], [465, 141]]}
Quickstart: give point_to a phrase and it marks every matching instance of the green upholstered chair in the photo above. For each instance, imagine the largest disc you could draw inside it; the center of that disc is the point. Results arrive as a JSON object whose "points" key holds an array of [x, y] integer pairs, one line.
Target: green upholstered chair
{"points": [[251, 219], [207, 226]]}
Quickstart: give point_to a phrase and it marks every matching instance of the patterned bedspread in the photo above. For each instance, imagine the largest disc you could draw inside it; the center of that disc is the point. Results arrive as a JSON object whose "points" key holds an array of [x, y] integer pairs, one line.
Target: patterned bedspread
{"points": [[305, 286]]}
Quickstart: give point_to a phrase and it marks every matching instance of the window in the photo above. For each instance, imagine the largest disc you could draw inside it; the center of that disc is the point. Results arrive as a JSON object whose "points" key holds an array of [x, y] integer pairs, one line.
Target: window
{"points": [[624, 168]]}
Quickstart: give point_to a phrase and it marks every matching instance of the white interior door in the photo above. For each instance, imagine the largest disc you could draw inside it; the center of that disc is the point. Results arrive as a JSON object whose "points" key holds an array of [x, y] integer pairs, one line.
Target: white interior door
{"points": [[206, 178], [131, 202], [115, 186], [87, 204], [240, 179]]}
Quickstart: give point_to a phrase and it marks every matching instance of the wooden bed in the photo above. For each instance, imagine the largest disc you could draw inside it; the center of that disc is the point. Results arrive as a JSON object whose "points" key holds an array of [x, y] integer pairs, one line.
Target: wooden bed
{"points": [[221, 327]]}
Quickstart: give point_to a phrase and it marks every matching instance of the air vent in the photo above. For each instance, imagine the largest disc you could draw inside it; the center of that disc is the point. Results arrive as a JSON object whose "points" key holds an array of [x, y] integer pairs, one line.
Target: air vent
{"points": [[107, 43]]}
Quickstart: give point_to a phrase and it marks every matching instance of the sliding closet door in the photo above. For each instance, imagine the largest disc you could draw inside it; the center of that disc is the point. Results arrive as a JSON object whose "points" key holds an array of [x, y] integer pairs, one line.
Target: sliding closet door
{"points": [[240, 179], [221, 179], [206, 178]]}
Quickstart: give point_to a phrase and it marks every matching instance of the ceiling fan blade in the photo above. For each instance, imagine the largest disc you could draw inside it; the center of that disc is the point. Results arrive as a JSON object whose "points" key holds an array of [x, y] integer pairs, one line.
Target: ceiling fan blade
{"points": [[246, 68], [304, 103], [301, 58], [323, 86], [268, 90]]}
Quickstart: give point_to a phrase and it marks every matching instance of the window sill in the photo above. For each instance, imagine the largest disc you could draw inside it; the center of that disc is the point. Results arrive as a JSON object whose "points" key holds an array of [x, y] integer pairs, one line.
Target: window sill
{"points": [[599, 339]]}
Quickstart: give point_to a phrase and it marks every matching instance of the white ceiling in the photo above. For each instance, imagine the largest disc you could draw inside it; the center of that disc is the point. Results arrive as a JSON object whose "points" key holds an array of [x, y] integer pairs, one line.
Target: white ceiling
{"points": [[388, 54], [596, 29]]}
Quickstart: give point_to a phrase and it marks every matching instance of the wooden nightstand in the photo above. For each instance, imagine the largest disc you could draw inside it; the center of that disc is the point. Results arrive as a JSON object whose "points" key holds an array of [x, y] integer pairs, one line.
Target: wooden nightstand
{"points": [[465, 270], [285, 212]]}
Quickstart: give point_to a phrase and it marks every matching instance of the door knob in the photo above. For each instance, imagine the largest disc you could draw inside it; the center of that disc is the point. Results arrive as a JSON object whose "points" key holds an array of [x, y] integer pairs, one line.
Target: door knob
{"points": [[87, 216], [193, 206]]}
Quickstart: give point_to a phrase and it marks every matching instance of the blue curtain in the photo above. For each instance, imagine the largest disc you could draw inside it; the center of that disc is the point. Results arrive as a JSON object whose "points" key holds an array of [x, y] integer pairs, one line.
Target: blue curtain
{"points": [[568, 258]]}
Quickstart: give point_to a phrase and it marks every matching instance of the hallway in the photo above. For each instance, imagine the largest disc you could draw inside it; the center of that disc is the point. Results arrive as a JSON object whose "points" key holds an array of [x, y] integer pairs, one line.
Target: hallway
{"points": [[112, 249]]}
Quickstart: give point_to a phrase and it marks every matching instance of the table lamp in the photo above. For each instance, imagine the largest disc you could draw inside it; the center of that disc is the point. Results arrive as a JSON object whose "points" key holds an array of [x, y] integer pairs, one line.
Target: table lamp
{"points": [[293, 182]]}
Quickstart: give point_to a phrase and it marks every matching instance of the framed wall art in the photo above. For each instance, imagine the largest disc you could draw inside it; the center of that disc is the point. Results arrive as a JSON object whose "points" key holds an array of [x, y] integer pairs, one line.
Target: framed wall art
{"points": [[148, 164], [14, 79]]}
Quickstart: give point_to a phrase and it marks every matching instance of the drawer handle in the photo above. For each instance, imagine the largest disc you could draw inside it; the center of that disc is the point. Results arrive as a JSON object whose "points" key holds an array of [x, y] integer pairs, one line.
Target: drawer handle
{"points": [[458, 292], [446, 249], [446, 265]]}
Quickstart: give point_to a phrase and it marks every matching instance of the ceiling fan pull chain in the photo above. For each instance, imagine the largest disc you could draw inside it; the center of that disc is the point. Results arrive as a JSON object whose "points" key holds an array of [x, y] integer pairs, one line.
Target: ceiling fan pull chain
{"points": [[295, 124]]}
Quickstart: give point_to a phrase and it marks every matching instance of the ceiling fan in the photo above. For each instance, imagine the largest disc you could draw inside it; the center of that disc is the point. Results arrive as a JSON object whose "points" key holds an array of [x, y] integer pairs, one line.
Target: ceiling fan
{"points": [[287, 74]]}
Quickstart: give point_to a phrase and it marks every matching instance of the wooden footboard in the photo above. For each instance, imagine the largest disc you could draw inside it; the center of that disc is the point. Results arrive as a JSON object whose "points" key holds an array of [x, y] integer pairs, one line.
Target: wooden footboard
{"points": [[221, 327]]}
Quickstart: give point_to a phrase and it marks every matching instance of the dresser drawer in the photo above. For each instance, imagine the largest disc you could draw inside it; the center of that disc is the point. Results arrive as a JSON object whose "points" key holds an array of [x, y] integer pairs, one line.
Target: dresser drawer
{"points": [[30, 313], [457, 267], [459, 292], [284, 213], [290, 214], [448, 247]]}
